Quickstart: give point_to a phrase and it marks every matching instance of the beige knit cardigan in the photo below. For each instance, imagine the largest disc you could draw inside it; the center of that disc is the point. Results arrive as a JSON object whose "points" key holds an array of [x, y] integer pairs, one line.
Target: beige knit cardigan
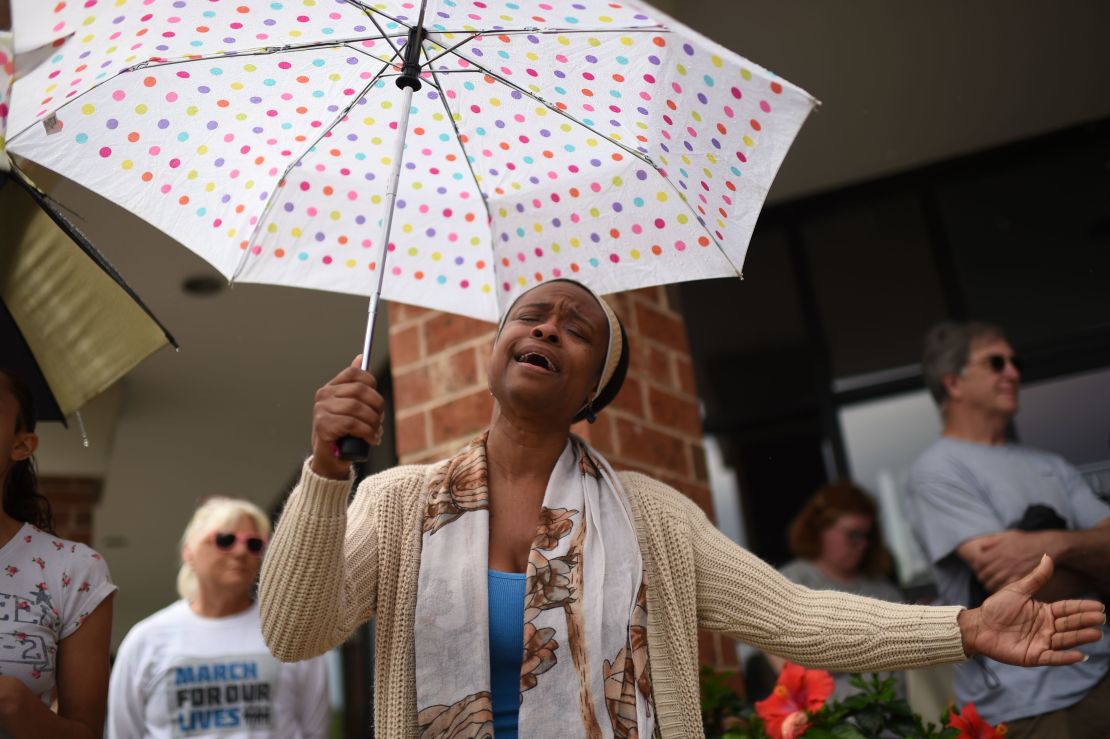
{"points": [[329, 568]]}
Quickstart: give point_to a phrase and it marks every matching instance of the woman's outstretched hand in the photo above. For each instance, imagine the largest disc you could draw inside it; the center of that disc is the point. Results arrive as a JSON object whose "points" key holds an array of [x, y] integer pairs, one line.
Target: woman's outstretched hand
{"points": [[1013, 627], [349, 405]]}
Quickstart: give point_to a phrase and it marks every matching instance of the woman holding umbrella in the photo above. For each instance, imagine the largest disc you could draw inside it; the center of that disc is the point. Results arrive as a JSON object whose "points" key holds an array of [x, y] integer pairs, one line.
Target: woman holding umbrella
{"points": [[55, 599], [525, 586]]}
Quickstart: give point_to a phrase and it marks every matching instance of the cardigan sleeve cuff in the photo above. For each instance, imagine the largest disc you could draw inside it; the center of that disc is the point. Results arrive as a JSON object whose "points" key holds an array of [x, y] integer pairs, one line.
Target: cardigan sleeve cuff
{"points": [[324, 497], [942, 633]]}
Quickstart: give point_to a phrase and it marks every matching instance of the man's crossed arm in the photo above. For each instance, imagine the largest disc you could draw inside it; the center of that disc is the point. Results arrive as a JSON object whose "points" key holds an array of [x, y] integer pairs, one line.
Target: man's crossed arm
{"points": [[1082, 559]]}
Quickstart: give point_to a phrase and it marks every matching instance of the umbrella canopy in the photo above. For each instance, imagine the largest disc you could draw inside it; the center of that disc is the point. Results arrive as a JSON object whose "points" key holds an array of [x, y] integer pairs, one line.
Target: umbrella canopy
{"points": [[599, 140], [69, 325]]}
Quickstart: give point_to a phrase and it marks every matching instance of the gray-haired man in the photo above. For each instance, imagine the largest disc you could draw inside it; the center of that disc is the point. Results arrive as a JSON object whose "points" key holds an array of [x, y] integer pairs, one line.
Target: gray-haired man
{"points": [[986, 510]]}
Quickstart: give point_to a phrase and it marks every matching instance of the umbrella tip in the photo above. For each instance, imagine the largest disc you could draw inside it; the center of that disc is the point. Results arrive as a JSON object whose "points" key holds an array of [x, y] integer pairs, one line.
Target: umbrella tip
{"points": [[81, 428], [203, 285]]}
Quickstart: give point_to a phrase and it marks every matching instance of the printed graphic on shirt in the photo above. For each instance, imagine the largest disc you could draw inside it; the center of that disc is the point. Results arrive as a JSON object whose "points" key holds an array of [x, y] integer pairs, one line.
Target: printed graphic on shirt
{"points": [[22, 642], [213, 696], [21, 648]]}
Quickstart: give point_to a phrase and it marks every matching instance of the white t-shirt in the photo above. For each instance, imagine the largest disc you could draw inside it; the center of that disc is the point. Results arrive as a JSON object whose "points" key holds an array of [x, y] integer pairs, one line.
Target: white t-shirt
{"points": [[48, 587], [178, 674]]}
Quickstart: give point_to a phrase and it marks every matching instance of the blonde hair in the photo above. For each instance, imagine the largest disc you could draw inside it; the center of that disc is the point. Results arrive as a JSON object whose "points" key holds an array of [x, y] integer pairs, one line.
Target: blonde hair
{"points": [[214, 514]]}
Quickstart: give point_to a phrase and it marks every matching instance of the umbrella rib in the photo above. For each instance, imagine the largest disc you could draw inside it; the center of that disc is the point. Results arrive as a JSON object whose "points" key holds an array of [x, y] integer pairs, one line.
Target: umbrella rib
{"points": [[550, 30], [370, 12], [471, 35], [48, 204], [281, 181], [260, 51], [447, 50], [388, 61], [639, 155], [458, 137], [643, 157], [29, 126], [475, 34], [396, 49], [550, 106]]}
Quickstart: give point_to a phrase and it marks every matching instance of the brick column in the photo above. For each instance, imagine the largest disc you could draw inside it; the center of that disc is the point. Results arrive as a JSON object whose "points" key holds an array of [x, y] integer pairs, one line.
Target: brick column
{"points": [[441, 400], [72, 501]]}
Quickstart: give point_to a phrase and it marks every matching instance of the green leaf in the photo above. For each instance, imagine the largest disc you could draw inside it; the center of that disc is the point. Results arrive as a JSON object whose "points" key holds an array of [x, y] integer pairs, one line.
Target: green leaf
{"points": [[847, 731], [870, 720], [857, 702], [857, 681], [904, 727], [814, 732]]}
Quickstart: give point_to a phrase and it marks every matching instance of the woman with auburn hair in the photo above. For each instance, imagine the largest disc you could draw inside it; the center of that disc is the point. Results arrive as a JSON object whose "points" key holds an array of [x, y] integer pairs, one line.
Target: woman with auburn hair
{"points": [[836, 541], [55, 599], [837, 534], [525, 587], [199, 667]]}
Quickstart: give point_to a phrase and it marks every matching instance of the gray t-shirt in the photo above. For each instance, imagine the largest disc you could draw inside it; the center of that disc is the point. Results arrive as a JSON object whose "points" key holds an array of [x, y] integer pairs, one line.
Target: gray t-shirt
{"points": [[961, 490], [805, 572]]}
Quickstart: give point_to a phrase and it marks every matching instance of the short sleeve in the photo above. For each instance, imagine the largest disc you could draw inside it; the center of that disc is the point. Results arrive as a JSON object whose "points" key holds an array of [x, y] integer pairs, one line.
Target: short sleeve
{"points": [[947, 511], [85, 584], [1088, 509]]}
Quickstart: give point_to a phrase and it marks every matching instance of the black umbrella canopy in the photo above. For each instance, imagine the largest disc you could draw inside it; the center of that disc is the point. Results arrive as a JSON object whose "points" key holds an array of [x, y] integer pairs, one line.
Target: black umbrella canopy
{"points": [[69, 324], [18, 360]]}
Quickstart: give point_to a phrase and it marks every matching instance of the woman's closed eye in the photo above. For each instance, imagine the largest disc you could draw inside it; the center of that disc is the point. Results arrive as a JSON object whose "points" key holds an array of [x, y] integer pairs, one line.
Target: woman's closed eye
{"points": [[578, 332]]}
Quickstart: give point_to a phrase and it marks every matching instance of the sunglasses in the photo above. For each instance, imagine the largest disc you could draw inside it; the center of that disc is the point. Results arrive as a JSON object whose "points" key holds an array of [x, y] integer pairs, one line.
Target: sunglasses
{"points": [[225, 541], [997, 362], [855, 536]]}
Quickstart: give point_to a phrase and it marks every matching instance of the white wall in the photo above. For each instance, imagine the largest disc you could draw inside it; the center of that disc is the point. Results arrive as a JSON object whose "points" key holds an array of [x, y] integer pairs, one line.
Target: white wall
{"points": [[882, 439]]}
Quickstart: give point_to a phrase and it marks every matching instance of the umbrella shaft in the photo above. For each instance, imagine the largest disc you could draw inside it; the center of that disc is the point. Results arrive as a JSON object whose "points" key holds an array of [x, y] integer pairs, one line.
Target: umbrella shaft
{"points": [[387, 220]]}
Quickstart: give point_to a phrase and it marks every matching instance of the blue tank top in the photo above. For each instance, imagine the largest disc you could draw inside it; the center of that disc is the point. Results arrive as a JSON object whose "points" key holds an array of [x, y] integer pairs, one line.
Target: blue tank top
{"points": [[506, 648]]}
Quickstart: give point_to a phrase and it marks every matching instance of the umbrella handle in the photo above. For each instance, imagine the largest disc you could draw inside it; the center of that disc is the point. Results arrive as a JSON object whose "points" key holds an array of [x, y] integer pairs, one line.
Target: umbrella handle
{"points": [[353, 449]]}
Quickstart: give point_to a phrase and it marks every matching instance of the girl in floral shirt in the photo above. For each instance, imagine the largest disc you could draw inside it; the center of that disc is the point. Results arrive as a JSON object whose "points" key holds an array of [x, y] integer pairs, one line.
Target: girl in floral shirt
{"points": [[55, 599]]}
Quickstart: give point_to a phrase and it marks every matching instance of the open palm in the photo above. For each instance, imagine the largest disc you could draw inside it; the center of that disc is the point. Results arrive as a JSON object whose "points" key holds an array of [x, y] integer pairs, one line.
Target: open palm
{"points": [[1013, 627]]}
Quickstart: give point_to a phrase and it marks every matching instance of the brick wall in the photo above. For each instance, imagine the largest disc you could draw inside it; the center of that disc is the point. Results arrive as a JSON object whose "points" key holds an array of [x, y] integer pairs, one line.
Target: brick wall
{"points": [[441, 400]]}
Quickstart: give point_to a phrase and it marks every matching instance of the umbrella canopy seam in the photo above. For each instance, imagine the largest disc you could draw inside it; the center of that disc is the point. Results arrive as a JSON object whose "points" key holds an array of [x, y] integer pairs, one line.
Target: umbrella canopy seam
{"points": [[278, 188], [458, 137], [260, 51], [639, 155]]}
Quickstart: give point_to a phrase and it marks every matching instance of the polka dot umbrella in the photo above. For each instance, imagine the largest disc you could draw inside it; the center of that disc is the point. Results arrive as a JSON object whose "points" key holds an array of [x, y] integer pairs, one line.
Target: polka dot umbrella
{"points": [[485, 144]]}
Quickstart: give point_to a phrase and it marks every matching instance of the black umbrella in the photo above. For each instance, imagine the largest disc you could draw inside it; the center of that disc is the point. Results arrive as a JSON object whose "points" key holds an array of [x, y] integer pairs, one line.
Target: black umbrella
{"points": [[69, 324]]}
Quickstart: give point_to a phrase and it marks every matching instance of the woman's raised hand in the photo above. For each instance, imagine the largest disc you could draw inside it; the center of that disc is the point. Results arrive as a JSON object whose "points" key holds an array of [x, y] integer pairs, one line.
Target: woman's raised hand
{"points": [[1013, 627], [349, 405]]}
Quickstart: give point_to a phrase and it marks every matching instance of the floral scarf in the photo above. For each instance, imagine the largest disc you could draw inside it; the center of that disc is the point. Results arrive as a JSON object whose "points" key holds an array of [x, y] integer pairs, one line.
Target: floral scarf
{"points": [[585, 666]]}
